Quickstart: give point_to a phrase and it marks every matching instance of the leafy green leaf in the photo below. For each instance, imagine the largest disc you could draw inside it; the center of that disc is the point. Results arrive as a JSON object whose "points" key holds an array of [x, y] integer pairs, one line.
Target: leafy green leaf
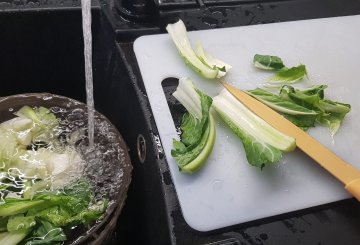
{"points": [[192, 151], [289, 75], [86, 217], [303, 122], [20, 222], [3, 223], [279, 104], [297, 114], [335, 113], [13, 238], [48, 234], [191, 129], [309, 98], [268, 62], [70, 203], [17, 207], [330, 113], [81, 189]]}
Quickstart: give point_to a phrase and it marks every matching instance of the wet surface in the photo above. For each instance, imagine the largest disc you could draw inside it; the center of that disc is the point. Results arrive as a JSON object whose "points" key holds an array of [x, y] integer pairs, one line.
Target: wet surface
{"points": [[41, 4], [152, 200]]}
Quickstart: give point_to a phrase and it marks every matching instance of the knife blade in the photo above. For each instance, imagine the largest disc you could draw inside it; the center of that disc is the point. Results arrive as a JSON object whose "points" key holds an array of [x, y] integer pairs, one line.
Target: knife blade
{"points": [[343, 171]]}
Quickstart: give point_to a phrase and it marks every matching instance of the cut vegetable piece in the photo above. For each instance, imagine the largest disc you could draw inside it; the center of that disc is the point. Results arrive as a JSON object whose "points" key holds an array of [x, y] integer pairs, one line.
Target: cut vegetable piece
{"points": [[262, 143], [197, 126], [330, 113], [334, 115], [299, 115], [179, 36], [268, 62], [308, 98], [211, 61], [47, 233], [303, 122], [279, 104], [11, 207], [44, 122], [13, 238], [20, 222], [289, 75]]}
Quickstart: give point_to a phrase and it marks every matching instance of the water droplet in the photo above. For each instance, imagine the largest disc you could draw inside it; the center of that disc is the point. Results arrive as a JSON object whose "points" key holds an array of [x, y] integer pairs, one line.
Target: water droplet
{"points": [[217, 185]]}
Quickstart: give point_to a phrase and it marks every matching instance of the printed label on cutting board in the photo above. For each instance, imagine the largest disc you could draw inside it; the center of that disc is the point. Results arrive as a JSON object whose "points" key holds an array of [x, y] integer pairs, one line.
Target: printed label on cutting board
{"points": [[228, 191]]}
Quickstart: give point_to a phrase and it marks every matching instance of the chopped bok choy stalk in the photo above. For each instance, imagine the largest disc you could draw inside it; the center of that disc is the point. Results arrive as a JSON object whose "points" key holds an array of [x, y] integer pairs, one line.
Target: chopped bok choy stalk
{"points": [[211, 61], [13, 238], [263, 144], [197, 126], [43, 120], [330, 113], [200, 61], [297, 114], [268, 62]]}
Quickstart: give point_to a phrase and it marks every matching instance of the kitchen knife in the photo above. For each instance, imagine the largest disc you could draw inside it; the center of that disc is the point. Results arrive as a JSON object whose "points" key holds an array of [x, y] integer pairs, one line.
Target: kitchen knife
{"points": [[343, 171]]}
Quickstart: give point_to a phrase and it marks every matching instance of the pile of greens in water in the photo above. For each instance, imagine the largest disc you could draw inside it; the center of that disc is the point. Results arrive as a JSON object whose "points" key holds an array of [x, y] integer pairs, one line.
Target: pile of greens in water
{"points": [[42, 192]]}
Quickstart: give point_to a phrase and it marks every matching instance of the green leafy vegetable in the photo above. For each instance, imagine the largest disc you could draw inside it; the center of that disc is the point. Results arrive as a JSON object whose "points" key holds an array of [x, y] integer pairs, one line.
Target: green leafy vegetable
{"points": [[285, 75], [47, 233], [268, 62], [19, 134], [297, 114], [36, 204], [280, 104], [302, 121], [289, 75], [197, 126], [330, 113], [201, 62], [13, 238], [44, 216], [44, 122], [20, 222], [262, 143], [12, 207]]}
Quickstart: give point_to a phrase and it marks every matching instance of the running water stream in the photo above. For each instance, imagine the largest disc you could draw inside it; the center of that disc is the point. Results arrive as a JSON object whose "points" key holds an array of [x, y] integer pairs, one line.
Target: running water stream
{"points": [[86, 23]]}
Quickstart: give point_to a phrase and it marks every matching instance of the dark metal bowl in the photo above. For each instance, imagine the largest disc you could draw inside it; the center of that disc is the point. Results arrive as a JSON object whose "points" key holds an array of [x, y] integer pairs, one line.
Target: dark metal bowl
{"points": [[100, 231]]}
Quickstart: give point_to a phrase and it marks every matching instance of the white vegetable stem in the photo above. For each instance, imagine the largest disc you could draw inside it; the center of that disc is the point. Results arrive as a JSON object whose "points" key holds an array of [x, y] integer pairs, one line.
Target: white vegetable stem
{"points": [[200, 61], [186, 94], [210, 60], [248, 122]]}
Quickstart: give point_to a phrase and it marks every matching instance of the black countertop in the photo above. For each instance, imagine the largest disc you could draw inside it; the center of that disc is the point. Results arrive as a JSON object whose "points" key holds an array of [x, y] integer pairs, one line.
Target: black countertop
{"points": [[334, 223], [152, 214]]}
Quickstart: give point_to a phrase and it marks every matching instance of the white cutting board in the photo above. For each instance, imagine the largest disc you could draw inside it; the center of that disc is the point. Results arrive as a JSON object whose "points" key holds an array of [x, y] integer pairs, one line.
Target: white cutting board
{"points": [[228, 190]]}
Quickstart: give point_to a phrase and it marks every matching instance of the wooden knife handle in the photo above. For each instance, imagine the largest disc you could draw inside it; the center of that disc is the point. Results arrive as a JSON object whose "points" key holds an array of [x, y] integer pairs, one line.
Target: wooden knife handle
{"points": [[354, 188]]}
